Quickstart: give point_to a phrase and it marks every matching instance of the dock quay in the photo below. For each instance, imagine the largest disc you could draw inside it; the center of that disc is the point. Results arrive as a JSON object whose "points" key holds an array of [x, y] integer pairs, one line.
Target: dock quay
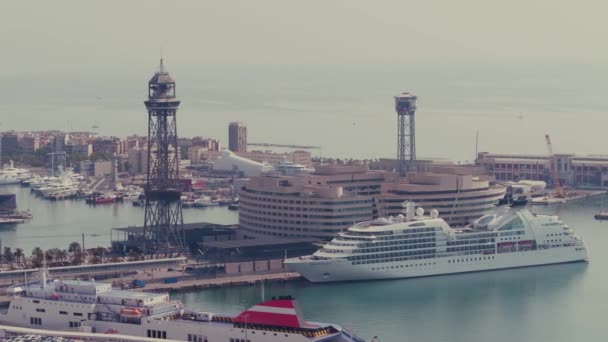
{"points": [[241, 280], [571, 195], [98, 271]]}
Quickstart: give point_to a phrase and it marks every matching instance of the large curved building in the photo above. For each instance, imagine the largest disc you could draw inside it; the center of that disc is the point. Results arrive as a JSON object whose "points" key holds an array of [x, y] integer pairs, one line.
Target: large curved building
{"points": [[458, 194], [333, 198], [315, 205]]}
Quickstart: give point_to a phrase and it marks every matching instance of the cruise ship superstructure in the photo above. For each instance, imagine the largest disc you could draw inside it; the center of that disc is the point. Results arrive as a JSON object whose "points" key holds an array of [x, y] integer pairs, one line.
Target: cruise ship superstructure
{"points": [[415, 245], [89, 306]]}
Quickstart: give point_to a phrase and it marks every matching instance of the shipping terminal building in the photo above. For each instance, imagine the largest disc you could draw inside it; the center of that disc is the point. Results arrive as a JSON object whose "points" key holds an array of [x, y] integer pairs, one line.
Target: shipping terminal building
{"points": [[573, 171]]}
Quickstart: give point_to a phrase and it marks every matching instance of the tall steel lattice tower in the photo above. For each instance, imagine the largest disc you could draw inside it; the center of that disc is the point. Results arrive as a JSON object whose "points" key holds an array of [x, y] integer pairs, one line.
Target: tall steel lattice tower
{"points": [[164, 222], [405, 105]]}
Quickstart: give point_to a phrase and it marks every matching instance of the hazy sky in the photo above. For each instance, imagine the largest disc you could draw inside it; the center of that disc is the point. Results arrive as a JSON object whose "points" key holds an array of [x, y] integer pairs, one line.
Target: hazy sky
{"points": [[292, 68], [77, 36]]}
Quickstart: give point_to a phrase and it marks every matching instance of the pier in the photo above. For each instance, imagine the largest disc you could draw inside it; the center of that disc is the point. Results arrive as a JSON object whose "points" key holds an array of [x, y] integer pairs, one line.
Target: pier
{"points": [[195, 284]]}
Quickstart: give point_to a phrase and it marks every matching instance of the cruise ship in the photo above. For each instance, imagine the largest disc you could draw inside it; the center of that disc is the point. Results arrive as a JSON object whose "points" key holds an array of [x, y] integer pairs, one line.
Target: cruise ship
{"points": [[93, 307], [416, 245]]}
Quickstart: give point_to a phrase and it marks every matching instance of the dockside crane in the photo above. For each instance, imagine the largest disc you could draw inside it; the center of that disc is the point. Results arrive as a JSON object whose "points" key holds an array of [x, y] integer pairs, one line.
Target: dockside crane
{"points": [[559, 191]]}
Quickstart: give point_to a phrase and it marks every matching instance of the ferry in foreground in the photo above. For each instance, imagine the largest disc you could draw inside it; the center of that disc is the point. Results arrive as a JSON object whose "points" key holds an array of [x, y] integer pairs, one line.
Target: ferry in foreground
{"points": [[416, 245], [92, 307]]}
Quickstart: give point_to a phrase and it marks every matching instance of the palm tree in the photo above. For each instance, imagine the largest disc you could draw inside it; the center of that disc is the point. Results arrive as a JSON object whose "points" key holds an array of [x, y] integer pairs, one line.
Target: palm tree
{"points": [[61, 255], [78, 258], [74, 247], [8, 255], [37, 255], [19, 256], [50, 255]]}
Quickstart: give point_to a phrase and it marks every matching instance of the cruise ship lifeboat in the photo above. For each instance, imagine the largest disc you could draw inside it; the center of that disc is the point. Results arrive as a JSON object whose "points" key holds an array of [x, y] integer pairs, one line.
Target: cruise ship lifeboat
{"points": [[132, 313]]}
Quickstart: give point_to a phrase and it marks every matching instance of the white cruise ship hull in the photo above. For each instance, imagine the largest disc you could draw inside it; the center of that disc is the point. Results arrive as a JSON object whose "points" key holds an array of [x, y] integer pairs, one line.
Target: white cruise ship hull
{"points": [[337, 270]]}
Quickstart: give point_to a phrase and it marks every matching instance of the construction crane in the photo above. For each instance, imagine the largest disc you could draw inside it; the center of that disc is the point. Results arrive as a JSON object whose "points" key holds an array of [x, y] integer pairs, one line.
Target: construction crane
{"points": [[303, 147], [559, 190]]}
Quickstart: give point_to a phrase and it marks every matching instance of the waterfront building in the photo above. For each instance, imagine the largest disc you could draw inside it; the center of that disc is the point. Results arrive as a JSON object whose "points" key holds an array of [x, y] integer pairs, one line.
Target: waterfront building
{"points": [[208, 143], [331, 199], [100, 168], [296, 157], [573, 170], [9, 143], [237, 136], [198, 151], [138, 160], [316, 205], [108, 146], [135, 140], [30, 144], [458, 193], [78, 151], [60, 141]]}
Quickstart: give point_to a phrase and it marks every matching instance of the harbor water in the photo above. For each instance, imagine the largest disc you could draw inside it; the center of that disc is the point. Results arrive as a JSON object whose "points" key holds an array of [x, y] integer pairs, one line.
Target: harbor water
{"points": [[549, 303], [57, 223]]}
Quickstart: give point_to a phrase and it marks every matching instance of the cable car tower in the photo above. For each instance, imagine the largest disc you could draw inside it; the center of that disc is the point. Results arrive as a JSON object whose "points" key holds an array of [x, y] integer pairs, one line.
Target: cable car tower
{"points": [[163, 221], [405, 106]]}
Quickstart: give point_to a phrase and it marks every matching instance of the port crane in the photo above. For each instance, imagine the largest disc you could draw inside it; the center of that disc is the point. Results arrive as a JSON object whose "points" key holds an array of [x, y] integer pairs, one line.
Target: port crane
{"points": [[559, 189]]}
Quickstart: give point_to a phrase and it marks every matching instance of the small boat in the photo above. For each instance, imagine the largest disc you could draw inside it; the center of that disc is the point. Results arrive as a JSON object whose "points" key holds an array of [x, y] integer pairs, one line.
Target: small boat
{"points": [[233, 206], [603, 215], [105, 199]]}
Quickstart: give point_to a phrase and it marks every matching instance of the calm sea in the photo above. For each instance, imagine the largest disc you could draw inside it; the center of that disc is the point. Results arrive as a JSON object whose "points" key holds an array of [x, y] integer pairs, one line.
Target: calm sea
{"points": [[347, 111]]}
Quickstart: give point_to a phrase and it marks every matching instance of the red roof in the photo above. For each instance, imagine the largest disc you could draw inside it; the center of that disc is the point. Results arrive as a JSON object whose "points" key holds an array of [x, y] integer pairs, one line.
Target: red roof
{"points": [[276, 312]]}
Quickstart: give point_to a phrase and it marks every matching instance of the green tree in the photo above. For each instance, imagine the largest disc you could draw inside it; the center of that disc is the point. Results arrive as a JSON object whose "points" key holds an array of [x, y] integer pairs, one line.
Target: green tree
{"points": [[74, 247], [78, 258], [8, 255], [37, 256], [61, 255], [19, 256]]}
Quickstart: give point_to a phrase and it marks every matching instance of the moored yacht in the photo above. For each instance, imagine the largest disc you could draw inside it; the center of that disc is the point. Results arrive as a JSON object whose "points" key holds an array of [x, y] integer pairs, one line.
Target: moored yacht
{"points": [[12, 175], [415, 245]]}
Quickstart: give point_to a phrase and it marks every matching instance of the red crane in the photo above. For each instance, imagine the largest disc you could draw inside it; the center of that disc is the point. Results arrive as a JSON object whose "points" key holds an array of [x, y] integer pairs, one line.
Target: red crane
{"points": [[559, 189]]}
